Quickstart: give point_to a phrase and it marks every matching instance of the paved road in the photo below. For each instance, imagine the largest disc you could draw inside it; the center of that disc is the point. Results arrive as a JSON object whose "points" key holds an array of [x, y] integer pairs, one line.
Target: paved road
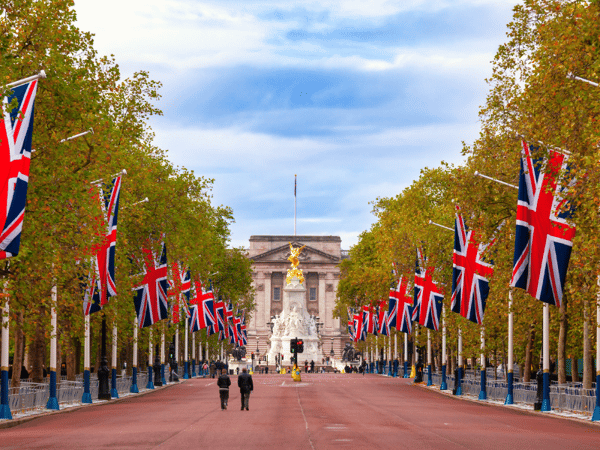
{"points": [[322, 412]]}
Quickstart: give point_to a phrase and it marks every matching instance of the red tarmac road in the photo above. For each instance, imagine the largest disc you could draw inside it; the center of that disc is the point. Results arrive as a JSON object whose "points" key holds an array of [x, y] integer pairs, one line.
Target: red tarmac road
{"points": [[324, 411]]}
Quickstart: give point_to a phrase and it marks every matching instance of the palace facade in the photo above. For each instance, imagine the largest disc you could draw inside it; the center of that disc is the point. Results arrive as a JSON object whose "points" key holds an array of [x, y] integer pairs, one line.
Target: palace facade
{"points": [[319, 263]]}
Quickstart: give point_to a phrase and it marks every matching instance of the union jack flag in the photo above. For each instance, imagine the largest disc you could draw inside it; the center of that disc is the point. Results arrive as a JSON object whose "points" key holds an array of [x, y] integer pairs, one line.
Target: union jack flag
{"points": [[398, 297], [15, 155], [543, 238], [228, 311], [237, 330], [470, 284], [180, 286], [369, 318], [383, 327], [351, 324], [243, 333], [359, 328], [102, 284], [406, 320], [220, 317], [232, 334], [194, 319], [428, 297], [151, 299]]}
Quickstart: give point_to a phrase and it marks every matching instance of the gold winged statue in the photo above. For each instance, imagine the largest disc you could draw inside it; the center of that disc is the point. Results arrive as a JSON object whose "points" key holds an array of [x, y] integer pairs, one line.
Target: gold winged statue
{"points": [[293, 258]]}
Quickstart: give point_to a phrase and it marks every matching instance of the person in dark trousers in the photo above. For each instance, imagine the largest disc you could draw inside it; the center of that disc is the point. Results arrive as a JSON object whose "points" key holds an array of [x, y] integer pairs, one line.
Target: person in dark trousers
{"points": [[224, 382], [246, 386]]}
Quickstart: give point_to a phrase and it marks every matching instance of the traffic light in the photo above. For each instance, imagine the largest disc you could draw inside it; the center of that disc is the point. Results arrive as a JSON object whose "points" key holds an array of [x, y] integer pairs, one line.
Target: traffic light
{"points": [[294, 345], [299, 346], [252, 355]]}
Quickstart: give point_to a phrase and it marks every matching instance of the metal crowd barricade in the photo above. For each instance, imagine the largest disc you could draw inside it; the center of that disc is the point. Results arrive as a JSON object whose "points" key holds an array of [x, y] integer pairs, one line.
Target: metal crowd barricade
{"points": [[69, 392], [572, 397], [27, 397]]}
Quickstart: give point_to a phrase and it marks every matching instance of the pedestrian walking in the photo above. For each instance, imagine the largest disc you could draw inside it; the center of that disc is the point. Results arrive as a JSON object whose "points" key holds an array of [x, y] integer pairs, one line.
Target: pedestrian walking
{"points": [[246, 386], [224, 382]]}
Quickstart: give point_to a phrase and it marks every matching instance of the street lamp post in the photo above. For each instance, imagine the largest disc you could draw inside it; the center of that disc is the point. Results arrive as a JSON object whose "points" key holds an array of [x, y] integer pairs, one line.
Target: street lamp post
{"points": [[332, 353]]}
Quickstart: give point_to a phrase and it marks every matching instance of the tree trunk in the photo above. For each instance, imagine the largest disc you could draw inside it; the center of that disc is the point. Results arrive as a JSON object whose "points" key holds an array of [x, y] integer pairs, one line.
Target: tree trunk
{"points": [[574, 369], [19, 350], [562, 342], [70, 358], [587, 348], [38, 349], [528, 354], [77, 345]]}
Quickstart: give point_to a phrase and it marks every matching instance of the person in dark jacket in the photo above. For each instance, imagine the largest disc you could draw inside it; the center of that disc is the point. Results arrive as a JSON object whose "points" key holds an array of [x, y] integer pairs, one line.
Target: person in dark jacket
{"points": [[246, 386], [224, 382]]}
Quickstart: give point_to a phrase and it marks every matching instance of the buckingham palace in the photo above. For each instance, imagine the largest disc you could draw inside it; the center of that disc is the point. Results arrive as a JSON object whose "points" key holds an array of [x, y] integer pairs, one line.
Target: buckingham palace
{"points": [[319, 263]]}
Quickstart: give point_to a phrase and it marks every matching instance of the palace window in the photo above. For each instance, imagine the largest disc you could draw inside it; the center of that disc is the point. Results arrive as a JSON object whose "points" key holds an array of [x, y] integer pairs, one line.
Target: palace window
{"points": [[276, 294], [312, 294]]}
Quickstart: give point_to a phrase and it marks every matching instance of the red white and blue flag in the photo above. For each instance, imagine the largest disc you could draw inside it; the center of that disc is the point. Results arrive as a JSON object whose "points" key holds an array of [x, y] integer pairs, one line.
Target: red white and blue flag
{"points": [[351, 324], [369, 318], [399, 295], [180, 286], [360, 333], [428, 297], [406, 319], [15, 156], [101, 284], [383, 325], [220, 318], [544, 237], [151, 299], [470, 283], [194, 318]]}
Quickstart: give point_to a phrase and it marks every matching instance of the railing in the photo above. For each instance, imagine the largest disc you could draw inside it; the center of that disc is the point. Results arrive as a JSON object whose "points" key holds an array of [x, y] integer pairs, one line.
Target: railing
{"points": [[31, 396], [565, 397]]}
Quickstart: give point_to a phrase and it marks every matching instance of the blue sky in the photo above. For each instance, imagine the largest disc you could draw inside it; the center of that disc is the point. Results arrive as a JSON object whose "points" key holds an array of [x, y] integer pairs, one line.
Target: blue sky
{"points": [[355, 97]]}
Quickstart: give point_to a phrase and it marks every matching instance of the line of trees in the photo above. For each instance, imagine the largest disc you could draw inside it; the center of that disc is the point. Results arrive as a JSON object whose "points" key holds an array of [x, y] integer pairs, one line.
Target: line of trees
{"points": [[85, 90], [532, 96]]}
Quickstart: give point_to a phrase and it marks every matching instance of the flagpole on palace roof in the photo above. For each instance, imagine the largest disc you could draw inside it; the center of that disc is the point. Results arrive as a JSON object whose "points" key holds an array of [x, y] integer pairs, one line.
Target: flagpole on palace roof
{"points": [[295, 184]]}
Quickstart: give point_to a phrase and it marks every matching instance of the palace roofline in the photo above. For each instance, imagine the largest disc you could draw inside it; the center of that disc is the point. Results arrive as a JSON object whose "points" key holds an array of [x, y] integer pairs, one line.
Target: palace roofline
{"points": [[299, 237]]}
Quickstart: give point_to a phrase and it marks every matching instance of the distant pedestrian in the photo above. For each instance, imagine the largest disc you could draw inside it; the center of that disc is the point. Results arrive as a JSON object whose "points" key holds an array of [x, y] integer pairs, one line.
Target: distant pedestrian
{"points": [[224, 382], [212, 369], [312, 366], [246, 386]]}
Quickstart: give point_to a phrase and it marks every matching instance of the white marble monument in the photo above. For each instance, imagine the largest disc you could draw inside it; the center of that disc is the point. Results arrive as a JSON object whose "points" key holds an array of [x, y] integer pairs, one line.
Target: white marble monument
{"points": [[294, 321]]}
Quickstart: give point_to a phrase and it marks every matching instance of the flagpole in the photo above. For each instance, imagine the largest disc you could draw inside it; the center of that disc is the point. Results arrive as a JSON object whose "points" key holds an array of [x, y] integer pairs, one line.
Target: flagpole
{"points": [[443, 384], [201, 357], [457, 383], [150, 384], [134, 364], [510, 365], [193, 352], [295, 185], [546, 364], [52, 399], [113, 381], [390, 372], [186, 362], [4, 405], [41, 74], [477, 174], [70, 138], [405, 355], [87, 395], [596, 415], [396, 353], [429, 380], [483, 388], [162, 356]]}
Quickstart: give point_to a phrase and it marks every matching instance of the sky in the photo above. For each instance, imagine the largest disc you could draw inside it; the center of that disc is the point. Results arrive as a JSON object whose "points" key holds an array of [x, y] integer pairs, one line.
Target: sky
{"points": [[354, 97]]}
